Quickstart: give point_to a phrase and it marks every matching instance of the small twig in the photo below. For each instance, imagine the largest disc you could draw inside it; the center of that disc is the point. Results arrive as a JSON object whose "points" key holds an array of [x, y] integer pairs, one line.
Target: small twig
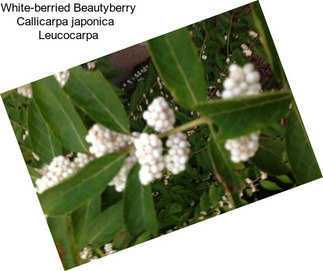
{"points": [[226, 188], [99, 252], [203, 45], [186, 126], [229, 33], [198, 151], [247, 185]]}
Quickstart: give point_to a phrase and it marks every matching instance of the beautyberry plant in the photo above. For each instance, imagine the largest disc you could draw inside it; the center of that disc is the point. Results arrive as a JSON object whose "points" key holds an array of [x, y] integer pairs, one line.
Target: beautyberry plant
{"points": [[207, 123]]}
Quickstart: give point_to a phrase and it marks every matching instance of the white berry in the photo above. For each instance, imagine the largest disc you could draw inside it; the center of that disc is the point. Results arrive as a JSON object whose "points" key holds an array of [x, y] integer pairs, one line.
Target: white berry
{"points": [[108, 249], [62, 77]]}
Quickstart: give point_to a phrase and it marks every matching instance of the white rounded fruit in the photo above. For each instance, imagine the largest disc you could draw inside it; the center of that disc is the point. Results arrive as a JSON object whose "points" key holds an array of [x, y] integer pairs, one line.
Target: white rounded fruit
{"points": [[178, 152], [243, 148], [241, 82], [149, 152], [159, 116]]}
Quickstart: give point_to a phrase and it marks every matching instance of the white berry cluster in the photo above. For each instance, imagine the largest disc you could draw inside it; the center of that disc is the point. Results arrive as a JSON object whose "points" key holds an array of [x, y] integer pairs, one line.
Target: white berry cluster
{"points": [[159, 115], [59, 169], [62, 77], [86, 253], [243, 148], [149, 151], [119, 181], [177, 156], [25, 91], [91, 65], [108, 249], [149, 148], [242, 81], [104, 141]]}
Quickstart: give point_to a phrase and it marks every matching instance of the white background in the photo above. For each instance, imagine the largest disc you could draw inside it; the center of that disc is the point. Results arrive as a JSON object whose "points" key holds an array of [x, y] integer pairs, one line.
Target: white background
{"points": [[283, 232]]}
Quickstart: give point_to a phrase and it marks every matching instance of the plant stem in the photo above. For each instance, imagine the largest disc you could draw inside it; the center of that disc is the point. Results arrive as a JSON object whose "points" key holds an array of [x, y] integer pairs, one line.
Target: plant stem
{"points": [[203, 45], [186, 126], [226, 188], [99, 252], [177, 129], [229, 33]]}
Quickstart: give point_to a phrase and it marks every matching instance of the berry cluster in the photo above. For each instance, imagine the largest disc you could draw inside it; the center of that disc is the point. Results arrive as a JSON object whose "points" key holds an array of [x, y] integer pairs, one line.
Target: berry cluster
{"points": [[59, 169], [108, 249], [25, 91], [242, 81], [159, 115], [243, 148], [86, 253], [177, 156], [119, 181], [104, 141], [149, 151], [62, 77]]}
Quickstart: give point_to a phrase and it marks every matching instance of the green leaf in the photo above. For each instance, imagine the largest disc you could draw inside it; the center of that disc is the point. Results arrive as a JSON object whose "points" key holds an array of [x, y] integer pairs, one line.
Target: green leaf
{"points": [[240, 116], [43, 142], [61, 230], [79, 188], [174, 208], [204, 202], [106, 225], [269, 156], [268, 185], [221, 162], [177, 62], [83, 217], [215, 194], [96, 96], [238, 202], [285, 179], [143, 238], [299, 150], [139, 211], [122, 240], [267, 41], [59, 114]]}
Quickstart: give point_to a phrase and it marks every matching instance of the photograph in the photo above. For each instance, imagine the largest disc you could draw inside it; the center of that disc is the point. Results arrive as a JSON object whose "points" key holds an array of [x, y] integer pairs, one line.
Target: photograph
{"points": [[161, 135]]}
